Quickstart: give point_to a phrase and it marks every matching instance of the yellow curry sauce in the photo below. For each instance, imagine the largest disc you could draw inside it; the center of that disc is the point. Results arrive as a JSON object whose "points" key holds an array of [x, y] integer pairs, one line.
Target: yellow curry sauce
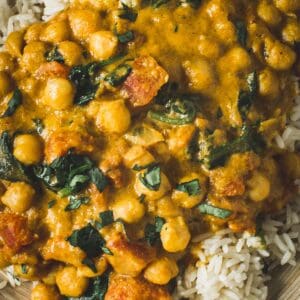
{"points": [[126, 129]]}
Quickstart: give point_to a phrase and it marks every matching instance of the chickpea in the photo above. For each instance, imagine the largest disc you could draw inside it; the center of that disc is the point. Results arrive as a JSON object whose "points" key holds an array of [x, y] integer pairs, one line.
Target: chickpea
{"points": [[5, 84], [236, 59], [69, 283], [14, 43], [209, 47], [291, 31], [268, 84], [44, 292], [278, 55], [28, 149], [185, 200], [33, 32], [268, 13], [129, 209], [33, 56], [200, 74], [137, 155], [166, 208], [84, 22], [55, 32], [103, 44], [225, 30], [259, 186], [18, 196], [113, 116], [287, 5], [71, 52], [6, 62], [58, 93], [151, 195], [161, 271], [175, 235], [100, 264]]}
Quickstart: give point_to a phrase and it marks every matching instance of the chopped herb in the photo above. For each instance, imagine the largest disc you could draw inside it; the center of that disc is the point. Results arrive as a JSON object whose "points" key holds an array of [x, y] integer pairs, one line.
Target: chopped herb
{"points": [[107, 251], [76, 202], [106, 218], [142, 198], [118, 75], [125, 37], [176, 111], [89, 262], [54, 55], [151, 178], [10, 168], [192, 188], [14, 102], [110, 60], [51, 203], [128, 13], [246, 98], [208, 209], [89, 240], [152, 231], [192, 3], [249, 140], [39, 125], [242, 33], [158, 3], [98, 179], [140, 168], [24, 269]]}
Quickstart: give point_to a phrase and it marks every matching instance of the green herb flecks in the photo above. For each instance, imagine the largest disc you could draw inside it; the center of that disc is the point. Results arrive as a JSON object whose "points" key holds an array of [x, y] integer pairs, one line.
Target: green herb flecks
{"points": [[24, 269], [14, 102], [151, 178], [158, 3], [192, 188], [125, 37], [176, 111], [152, 231], [118, 75], [54, 55], [75, 202], [241, 32], [39, 125], [89, 263], [51, 203], [106, 218], [128, 13], [208, 209]]}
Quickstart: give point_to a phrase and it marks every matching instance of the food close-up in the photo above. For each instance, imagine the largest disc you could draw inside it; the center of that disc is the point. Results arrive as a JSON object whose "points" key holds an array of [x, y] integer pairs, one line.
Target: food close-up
{"points": [[148, 148]]}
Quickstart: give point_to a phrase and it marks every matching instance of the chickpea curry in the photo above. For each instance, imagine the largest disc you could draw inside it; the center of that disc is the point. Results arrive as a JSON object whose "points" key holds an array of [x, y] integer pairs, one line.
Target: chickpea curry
{"points": [[129, 127]]}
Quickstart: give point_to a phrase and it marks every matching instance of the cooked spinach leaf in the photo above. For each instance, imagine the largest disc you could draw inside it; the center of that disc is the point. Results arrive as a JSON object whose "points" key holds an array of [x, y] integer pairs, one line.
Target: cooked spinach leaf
{"points": [[76, 202], [208, 209], [54, 55], [118, 75], [242, 33], [106, 218], [70, 174], [39, 125], [152, 231], [151, 178], [128, 13], [192, 188], [89, 240], [10, 168], [125, 37], [89, 262], [140, 168], [14, 102], [249, 140]]}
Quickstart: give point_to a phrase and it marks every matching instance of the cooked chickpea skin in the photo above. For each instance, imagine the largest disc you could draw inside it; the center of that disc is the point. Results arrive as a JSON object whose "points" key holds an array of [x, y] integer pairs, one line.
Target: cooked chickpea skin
{"points": [[14, 43], [55, 32], [84, 22], [200, 74], [18, 196], [103, 44], [175, 235], [291, 31], [113, 116], [71, 52], [166, 208], [268, 83], [6, 62], [161, 271], [259, 186], [287, 5], [141, 189], [44, 292], [129, 209], [58, 93], [5, 84], [209, 47], [137, 155], [268, 13], [278, 55], [100, 264], [28, 148], [225, 30], [33, 32], [69, 283]]}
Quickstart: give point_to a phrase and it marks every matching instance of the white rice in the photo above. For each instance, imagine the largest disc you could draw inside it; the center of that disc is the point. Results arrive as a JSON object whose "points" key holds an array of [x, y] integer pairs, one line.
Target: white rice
{"points": [[229, 266]]}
